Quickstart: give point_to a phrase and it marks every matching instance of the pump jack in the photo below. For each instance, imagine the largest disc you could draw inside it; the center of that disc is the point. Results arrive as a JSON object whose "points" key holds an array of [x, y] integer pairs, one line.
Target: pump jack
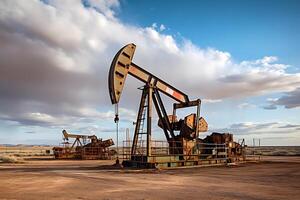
{"points": [[85, 147], [189, 128]]}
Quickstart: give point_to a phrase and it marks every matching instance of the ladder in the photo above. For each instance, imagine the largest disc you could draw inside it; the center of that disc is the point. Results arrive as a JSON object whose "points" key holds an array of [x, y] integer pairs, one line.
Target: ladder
{"points": [[140, 149]]}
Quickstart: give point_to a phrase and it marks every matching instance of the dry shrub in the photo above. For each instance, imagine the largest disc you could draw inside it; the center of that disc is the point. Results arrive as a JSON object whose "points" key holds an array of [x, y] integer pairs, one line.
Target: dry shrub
{"points": [[10, 159]]}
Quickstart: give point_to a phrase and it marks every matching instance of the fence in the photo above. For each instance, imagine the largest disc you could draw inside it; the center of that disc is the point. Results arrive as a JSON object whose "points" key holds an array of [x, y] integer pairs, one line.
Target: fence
{"points": [[176, 151], [93, 153]]}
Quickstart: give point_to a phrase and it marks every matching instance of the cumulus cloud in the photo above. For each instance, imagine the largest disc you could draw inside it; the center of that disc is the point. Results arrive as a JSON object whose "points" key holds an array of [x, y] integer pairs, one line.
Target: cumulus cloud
{"points": [[162, 27], [270, 107], [288, 100], [261, 129], [211, 100], [246, 105], [55, 55], [266, 133], [261, 76]]}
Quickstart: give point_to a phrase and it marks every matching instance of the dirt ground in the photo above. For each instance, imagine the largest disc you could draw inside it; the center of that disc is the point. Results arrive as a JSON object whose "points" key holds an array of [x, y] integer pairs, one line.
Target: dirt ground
{"points": [[273, 178]]}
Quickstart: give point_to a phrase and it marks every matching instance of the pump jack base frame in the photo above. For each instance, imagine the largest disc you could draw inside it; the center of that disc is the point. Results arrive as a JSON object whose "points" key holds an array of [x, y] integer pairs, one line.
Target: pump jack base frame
{"points": [[172, 161]]}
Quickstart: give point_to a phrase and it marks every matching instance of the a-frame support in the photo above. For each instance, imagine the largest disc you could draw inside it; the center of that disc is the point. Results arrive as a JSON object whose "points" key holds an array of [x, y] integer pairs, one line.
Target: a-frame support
{"points": [[146, 96], [150, 95]]}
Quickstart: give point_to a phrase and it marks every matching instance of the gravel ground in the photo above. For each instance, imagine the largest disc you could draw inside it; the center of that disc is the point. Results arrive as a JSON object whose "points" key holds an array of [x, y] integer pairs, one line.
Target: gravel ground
{"points": [[273, 178]]}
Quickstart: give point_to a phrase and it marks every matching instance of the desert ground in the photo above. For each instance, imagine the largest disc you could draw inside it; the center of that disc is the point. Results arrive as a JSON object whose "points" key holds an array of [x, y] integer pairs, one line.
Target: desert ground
{"points": [[271, 178]]}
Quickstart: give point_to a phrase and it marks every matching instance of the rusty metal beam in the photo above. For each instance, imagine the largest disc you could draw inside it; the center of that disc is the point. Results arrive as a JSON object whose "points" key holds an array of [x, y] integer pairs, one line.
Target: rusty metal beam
{"points": [[122, 65]]}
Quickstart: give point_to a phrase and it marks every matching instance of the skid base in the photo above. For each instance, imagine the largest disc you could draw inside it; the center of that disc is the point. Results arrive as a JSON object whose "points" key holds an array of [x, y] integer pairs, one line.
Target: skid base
{"points": [[170, 161]]}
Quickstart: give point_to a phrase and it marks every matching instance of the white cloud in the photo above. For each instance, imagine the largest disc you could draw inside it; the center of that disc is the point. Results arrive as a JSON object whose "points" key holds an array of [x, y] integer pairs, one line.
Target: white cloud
{"points": [[261, 128], [105, 6], [288, 100], [162, 27], [269, 133], [157, 27], [154, 26], [55, 57], [211, 100], [246, 105]]}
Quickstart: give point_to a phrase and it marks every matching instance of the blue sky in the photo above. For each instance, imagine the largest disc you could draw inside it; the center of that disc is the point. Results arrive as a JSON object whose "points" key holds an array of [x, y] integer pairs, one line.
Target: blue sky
{"points": [[240, 57], [246, 29]]}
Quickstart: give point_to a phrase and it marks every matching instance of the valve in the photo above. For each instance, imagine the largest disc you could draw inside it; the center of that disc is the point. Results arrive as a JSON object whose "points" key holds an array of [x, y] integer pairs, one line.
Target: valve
{"points": [[116, 118]]}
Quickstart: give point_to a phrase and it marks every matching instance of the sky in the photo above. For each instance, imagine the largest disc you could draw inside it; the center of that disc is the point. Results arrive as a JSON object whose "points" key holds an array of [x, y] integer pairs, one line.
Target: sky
{"points": [[241, 58]]}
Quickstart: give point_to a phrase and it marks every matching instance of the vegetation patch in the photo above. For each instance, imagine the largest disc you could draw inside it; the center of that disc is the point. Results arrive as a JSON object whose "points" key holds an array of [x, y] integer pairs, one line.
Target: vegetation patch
{"points": [[10, 159]]}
